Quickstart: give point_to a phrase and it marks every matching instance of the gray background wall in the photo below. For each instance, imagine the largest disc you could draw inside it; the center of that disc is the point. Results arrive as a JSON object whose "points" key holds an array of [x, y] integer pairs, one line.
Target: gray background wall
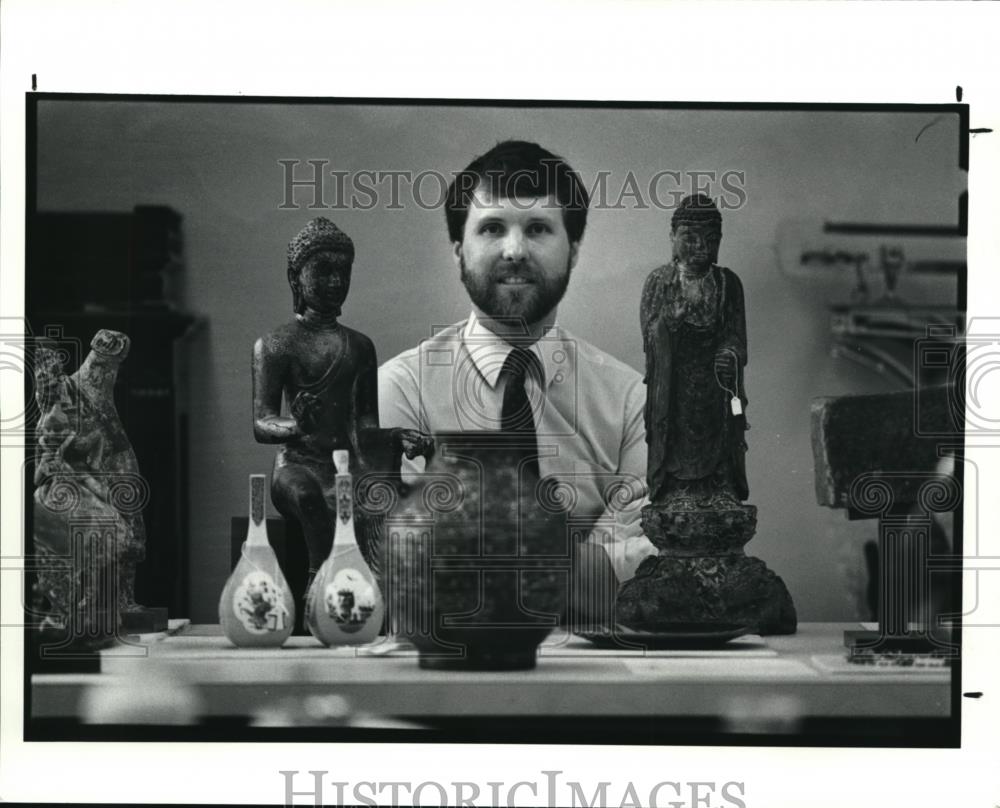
{"points": [[217, 164]]}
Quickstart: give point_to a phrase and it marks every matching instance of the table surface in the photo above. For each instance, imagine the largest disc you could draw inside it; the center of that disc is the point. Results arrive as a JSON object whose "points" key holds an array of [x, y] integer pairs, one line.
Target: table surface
{"points": [[804, 675]]}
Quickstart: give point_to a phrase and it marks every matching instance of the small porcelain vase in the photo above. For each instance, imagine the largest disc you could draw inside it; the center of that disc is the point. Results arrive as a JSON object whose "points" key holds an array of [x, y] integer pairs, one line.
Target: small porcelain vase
{"points": [[344, 605], [256, 609]]}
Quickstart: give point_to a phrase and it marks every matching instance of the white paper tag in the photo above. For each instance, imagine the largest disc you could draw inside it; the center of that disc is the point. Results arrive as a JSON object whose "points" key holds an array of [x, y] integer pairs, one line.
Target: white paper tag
{"points": [[736, 405]]}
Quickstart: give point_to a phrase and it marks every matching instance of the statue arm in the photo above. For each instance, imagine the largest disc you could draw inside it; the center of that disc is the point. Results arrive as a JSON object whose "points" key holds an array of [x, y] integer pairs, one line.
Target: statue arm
{"points": [[657, 348], [731, 354], [364, 401], [648, 303], [268, 424], [736, 321], [648, 306], [366, 387]]}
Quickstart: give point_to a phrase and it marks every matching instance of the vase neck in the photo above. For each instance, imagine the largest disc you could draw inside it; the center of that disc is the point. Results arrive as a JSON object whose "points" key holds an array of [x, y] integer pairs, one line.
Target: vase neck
{"points": [[344, 530], [257, 524]]}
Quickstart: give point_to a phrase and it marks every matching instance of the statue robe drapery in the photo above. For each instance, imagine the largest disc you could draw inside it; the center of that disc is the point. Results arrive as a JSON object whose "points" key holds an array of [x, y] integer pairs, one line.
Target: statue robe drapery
{"points": [[690, 428]]}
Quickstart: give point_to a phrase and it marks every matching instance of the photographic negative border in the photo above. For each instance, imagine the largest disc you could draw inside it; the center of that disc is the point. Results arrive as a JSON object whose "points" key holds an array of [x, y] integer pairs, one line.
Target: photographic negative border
{"points": [[915, 733]]}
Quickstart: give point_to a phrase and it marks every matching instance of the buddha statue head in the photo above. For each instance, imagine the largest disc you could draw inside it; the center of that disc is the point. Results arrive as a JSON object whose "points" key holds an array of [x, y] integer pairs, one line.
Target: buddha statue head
{"points": [[320, 258], [696, 233]]}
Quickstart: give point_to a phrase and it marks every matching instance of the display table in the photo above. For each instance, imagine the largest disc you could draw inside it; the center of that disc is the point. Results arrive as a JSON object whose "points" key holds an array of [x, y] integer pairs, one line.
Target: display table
{"points": [[770, 683]]}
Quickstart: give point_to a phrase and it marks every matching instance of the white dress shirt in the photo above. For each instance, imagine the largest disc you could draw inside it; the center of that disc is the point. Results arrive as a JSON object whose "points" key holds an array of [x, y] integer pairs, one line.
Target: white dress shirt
{"points": [[588, 410]]}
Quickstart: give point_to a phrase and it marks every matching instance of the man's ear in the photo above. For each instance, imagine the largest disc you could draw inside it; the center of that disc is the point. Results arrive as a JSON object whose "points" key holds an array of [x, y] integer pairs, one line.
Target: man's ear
{"points": [[574, 252], [456, 254]]}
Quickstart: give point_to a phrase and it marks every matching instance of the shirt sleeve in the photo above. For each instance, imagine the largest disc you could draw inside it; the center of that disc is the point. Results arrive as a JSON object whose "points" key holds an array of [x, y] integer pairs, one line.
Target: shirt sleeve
{"points": [[618, 530], [399, 406]]}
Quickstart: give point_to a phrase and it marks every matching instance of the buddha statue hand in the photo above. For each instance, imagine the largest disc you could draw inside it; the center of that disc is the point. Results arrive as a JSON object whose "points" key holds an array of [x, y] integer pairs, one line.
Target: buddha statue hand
{"points": [[725, 368], [412, 443], [306, 410]]}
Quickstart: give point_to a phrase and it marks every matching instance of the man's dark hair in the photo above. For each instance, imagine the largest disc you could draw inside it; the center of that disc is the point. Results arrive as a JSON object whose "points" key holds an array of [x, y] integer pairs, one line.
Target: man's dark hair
{"points": [[519, 168]]}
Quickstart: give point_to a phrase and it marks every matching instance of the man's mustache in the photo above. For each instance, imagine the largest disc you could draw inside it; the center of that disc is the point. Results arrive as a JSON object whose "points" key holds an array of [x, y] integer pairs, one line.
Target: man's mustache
{"points": [[509, 269]]}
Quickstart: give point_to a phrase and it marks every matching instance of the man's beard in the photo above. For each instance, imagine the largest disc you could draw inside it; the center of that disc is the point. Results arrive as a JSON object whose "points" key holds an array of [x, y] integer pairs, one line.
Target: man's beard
{"points": [[530, 303]]}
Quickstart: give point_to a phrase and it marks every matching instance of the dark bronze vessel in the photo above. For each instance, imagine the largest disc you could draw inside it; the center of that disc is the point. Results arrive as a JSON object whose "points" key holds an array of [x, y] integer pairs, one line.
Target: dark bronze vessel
{"points": [[477, 555]]}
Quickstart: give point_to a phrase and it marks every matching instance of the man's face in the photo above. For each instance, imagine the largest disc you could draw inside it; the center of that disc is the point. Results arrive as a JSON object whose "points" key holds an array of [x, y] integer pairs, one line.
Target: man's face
{"points": [[324, 282], [515, 256], [696, 246]]}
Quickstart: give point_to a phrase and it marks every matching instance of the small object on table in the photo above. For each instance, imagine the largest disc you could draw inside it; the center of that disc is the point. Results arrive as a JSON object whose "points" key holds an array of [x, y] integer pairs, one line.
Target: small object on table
{"points": [[256, 609], [859, 655], [344, 605], [667, 636]]}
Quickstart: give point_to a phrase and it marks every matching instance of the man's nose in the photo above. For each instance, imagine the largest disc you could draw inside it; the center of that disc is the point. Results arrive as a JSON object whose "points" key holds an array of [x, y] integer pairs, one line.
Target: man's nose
{"points": [[514, 247]]}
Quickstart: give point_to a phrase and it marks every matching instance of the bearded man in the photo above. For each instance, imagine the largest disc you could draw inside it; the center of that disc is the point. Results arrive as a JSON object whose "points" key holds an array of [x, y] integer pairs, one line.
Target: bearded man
{"points": [[516, 217]]}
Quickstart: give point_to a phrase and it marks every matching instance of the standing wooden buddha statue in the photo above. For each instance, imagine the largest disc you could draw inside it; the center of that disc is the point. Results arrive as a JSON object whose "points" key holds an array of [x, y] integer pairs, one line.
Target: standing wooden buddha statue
{"points": [[695, 339]]}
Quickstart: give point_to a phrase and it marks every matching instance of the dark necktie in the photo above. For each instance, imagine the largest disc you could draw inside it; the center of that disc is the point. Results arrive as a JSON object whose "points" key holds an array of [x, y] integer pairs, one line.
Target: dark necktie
{"points": [[515, 413]]}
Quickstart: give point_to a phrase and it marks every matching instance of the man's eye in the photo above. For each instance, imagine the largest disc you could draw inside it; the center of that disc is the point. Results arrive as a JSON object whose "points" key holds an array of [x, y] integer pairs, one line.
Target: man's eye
{"points": [[491, 229], [537, 228]]}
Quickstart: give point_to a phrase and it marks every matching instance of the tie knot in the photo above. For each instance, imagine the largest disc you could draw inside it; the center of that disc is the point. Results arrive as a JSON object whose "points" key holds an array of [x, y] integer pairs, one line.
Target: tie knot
{"points": [[519, 363]]}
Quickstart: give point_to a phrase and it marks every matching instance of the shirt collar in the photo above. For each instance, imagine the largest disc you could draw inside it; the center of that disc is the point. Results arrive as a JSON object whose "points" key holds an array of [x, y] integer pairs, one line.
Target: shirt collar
{"points": [[489, 352]]}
